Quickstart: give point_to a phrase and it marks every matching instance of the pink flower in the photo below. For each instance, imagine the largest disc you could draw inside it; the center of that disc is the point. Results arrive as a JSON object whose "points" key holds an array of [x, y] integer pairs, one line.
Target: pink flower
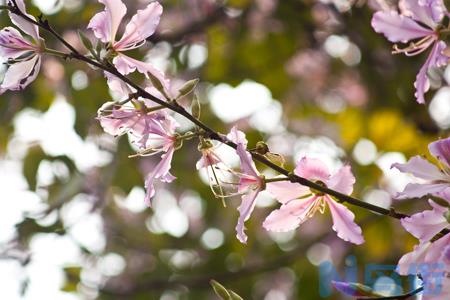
{"points": [[299, 203], [438, 180], [418, 20], [251, 182], [161, 139], [22, 56], [142, 25]]}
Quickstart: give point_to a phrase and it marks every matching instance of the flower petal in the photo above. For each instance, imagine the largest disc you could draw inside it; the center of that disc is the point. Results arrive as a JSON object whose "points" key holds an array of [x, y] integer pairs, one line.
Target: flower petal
{"points": [[342, 181], [398, 28], [343, 222], [426, 12], [245, 210], [21, 74], [425, 225], [289, 216], [142, 25], [312, 169], [285, 191], [408, 263], [441, 150], [27, 27], [420, 168], [247, 165], [12, 43], [106, 23], [161, 171], [417, 190], [435, 59]]}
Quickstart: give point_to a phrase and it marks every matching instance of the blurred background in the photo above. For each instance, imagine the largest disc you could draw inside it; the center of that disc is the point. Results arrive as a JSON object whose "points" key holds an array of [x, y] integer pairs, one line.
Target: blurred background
{"points": [[309, 77]]}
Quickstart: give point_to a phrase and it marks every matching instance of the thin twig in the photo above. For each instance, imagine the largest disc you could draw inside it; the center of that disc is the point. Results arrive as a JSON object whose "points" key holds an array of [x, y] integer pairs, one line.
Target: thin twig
{"points": [[400, 297], [207, 131]]}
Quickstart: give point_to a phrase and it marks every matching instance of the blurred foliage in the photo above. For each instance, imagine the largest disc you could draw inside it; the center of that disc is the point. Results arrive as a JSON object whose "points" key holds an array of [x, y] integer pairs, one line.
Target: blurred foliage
{"points": [[280, 44]]}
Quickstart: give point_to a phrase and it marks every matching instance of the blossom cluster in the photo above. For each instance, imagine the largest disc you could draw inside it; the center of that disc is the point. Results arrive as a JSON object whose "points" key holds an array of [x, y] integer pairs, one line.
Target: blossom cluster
{"points": [[155, 132]]}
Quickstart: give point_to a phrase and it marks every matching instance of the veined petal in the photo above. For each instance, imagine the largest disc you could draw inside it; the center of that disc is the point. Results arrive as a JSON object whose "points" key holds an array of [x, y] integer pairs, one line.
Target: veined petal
{"points": [[285, 191], [117, 86], [342, 181], [408, 264], [142, 25], [417, 190], [427, 224], [289, 216], [160, 171], [420, 168], [398, 28], [343, 222], [27, 27], [441, 150], [245, 210], [21, 74], [435, 59], [13, 44], [106, 23], [312, 169], [126, 65], [247, 165], [426, 12], [435, 252]]}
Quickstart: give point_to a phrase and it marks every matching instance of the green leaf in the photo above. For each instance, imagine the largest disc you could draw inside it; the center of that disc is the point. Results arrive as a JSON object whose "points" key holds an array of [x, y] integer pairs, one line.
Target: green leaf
{"points": [[86, 43], [234, 296], [220, 290]]}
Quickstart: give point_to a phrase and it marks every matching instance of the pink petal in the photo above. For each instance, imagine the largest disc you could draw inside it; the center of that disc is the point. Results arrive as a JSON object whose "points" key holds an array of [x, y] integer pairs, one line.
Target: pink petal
{"points": [[441, 150], [435, 59], [24, 25], [343, 222], [428, 14], [247, 165], [408, 264], [12, 43], [398, 28], [342, 181], [142, 25], [21, 74], [420, 168], [285, 191], [245, 210], [160, 171], [427, 224], [435, 253], [289, 216], [106, 23], [119, 87], [416, 190], [208, 159], [126, 65], [312, 169]]}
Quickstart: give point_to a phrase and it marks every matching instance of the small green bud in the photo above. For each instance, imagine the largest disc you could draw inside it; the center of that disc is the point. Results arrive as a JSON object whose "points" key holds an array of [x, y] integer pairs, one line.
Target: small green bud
{"points": [[187, 88], [220, 290]]}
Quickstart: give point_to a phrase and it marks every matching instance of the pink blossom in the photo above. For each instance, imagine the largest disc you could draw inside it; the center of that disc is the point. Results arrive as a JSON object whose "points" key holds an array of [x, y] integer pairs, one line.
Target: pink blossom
{"points": [[251, 182], [437, 179], [142, 25], [22, 55], [417, 20], [299, 203]]}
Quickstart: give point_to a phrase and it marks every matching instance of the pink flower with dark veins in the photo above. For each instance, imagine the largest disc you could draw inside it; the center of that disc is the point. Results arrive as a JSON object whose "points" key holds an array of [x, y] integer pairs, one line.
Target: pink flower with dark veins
{"points": [[420, 22], [251, 182], [437, 177], [299, 203], [141, 26], [22, 56]]}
